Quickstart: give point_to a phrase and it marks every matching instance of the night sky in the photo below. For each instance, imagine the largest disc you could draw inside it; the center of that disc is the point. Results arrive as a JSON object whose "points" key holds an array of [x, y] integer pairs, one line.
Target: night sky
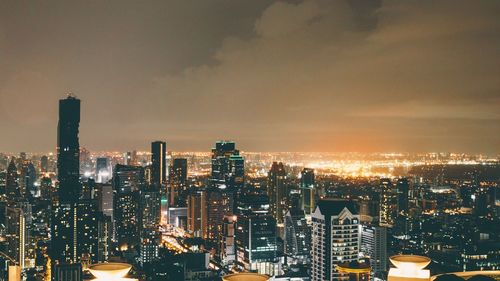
{"points": [[270, 75]]}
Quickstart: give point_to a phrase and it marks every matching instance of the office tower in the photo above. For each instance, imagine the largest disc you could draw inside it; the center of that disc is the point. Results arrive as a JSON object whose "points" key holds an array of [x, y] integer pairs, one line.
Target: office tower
{"points": [[12, 181], [64, 214], [104, 234], [46, 188], [149, 207], [27, 179], [335, 238], [236, 175], [177, 181], [297, 236], [228, 243], [374, 246], [102, 170], [221, 164], [197, 214], [88, 189], [276, 191], [87, 230], [16, 234], [217, 208], [256, 245], [149, 245], [68, 150], [128, 178], [131, 158], [403, 189], [126, 217], [158, 162], [44, 164], [388, 203], [307, 190], [104, 196]]}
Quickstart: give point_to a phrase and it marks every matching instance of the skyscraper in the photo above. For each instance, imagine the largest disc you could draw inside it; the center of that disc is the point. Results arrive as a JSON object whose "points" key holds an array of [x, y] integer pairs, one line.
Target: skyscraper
{"points": [[388, 203], [276, 191], [102, 170], [12, 181], [197, 212], [307, 190], [158, 162], [335, 238], [227, 165], [403, 188], [297, 236], [177, 181], [374, 246], [68, 150], [64, 214]]}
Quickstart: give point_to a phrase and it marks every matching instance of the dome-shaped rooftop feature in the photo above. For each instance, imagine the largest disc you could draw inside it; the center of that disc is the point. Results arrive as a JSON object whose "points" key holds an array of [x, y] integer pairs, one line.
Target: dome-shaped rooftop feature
{"points": [[111, 270]]}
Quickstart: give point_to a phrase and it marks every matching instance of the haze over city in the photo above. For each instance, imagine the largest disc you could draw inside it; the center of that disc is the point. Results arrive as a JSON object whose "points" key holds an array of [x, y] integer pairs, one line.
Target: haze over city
{"points": [[408, 76]]}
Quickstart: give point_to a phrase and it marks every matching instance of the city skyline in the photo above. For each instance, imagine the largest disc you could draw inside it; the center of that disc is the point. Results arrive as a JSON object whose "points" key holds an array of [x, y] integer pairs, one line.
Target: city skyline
{"points": [[329, 76]]}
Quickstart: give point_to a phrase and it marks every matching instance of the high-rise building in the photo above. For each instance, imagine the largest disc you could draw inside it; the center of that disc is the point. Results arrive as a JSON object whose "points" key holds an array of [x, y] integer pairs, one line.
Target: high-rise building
{"points": [[102, 170], [126, 216], [16, 234], [218, 205], [12, 181], [388, 203], [159, 162], [374, 246], [104, 234], [224, 170], [307, 190], [149, 207], [297, 236], [64, 214], [87, 230], [256, 244], [27, 179], [149, 246], [228, 243], [403, 189], [105, 199], [177, 181], [67, 272], [276, 191], [335, 238], [197, 214], [68, 150], [44, 164]]}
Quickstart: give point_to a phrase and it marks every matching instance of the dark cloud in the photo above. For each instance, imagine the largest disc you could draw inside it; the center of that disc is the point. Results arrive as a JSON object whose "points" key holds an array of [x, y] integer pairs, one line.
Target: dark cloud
{"points": [[313, 75]]}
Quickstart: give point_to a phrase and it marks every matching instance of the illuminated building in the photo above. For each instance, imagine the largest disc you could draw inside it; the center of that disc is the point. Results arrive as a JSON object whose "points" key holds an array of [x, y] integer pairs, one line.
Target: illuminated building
{"points": [[276, 191], [150, 207], [335, 238], [149, 245], [388, 203], [220, 163], [158, 163], [196, 215], [177, 180], [27, 179], [87, 229], [127, 181], [374, 246], [16, 234], [44, 164], [105, 199], [217, 206], [307, 190], [105, 234], [228, 243], [256, 244], [12, 181], [102, 170], [297, 236], [403, 189]]}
